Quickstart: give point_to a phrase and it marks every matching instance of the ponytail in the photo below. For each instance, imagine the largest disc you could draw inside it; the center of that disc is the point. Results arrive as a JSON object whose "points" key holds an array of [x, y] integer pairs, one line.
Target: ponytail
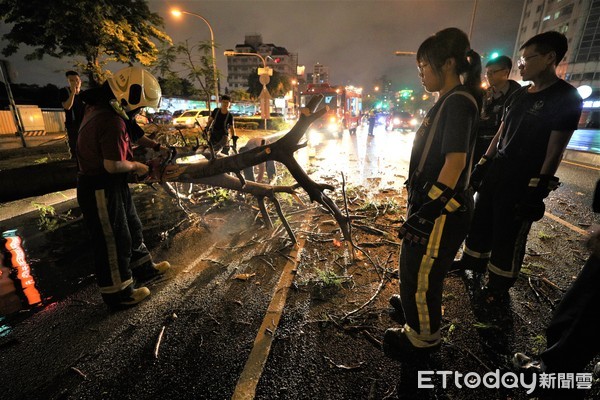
{"points": [[472, 75]]}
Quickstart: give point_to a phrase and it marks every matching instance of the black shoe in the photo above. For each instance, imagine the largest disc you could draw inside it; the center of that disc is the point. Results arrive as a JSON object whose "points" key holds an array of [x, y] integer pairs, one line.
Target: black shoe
{"points": [[495, 297], [398, 347], [398, 313]]}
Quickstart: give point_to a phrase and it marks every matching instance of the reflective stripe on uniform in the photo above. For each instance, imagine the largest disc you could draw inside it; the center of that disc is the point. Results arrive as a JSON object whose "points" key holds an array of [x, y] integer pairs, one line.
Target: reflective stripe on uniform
{"points": [[422, 340], [431, 253], [517, 255], [111, 246], [476, 254]]}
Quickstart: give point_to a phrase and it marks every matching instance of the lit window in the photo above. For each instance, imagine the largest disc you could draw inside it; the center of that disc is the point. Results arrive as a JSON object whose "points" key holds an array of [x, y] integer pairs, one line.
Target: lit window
{"points": [[546, 18]]}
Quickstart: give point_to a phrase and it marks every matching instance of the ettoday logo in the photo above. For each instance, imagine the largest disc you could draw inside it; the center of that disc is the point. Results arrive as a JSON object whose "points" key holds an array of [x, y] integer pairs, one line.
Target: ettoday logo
{"points": [[508, 380]]}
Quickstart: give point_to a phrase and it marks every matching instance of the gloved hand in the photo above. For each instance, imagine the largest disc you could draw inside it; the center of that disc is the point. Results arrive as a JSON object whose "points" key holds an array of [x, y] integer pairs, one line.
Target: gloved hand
{"points": [[419, 225], [479, 172], [531, 207]]}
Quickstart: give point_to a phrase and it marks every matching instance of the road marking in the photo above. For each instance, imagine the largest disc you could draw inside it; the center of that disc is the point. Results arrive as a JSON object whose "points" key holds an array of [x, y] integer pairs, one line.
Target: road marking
{"points": [[565, 223], [246, 385], [581, 165]]}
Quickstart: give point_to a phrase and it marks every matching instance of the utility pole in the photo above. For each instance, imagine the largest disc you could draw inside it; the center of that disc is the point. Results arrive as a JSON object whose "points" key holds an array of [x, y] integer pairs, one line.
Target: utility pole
{"points": [[11, 101]]}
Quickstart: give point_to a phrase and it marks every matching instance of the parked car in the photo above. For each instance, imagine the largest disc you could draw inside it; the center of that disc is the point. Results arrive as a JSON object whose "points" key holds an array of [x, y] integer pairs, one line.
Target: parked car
{"points": [[400, 120], [192, 118], [141, 118], [162, 117]]}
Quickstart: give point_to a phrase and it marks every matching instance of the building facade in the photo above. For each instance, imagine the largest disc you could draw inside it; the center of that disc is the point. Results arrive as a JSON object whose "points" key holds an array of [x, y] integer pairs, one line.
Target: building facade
{"points": [[240, 67], [579, 21]]}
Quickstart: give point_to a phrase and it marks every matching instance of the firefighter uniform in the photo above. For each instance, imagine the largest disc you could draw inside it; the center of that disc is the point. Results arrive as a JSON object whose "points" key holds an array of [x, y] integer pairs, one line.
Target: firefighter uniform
{"points": [[107, 205], [423, 267], [498, 233]]}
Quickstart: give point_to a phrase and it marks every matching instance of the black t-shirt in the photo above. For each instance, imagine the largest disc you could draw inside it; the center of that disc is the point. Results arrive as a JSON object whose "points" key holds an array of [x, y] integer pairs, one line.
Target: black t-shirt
{"points": [[74, 116], [529, 118], [455, 133], [492, 111], [221, 124]]}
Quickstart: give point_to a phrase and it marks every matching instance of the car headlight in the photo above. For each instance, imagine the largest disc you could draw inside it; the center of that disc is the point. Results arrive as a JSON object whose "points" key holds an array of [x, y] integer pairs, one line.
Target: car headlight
{"points": [[332, 120], [413, 122], [396, 121]]}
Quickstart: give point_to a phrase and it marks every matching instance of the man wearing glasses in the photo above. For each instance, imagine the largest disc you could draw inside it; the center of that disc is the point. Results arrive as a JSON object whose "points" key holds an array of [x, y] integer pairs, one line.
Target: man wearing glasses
{"points": [[518, 170], [496, 72]]}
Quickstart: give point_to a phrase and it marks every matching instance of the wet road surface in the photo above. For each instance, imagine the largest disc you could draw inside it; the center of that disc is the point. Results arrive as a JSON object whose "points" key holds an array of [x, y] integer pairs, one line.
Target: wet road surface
{"points": [[70, 346]]}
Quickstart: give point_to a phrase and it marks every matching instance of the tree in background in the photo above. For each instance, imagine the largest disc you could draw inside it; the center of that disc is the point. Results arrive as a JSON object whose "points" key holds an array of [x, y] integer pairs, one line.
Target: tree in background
{"points": [[193, 60], [278, 86], [99, 31]]}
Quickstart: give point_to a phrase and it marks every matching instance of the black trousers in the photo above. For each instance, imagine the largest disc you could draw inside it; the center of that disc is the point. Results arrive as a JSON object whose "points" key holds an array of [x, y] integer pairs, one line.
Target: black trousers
{"points": [[422, 273], [497, 238], [115, 229], [72, 133], [572, 335]]}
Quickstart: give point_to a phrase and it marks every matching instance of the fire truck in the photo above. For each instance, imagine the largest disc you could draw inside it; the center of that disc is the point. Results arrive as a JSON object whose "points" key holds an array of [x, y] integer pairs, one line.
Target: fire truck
{"points": [[345, 107]]}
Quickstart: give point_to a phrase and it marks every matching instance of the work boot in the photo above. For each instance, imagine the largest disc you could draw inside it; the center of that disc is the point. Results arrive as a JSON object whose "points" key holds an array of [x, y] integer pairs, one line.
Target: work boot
{"points": [[523, 363], [150, 270], [125, 298], [398, 347]]}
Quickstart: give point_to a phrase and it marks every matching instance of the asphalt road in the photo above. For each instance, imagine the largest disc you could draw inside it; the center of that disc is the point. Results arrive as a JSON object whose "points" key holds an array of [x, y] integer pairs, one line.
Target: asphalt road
{"points": [[214, 327]]}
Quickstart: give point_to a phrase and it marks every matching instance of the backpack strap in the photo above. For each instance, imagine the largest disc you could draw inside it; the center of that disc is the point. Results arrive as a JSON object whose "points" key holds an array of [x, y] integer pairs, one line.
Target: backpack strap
{"points": [[431, 133]]}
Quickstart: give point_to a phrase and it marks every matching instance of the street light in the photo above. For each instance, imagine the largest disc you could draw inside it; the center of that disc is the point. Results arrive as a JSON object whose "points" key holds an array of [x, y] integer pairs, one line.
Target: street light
{"points": [[177, 13], [264, 74]]}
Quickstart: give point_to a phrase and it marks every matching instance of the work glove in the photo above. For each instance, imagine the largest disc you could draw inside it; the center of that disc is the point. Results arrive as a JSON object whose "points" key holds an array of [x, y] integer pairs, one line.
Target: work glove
{"points": [[418, 226], [531, 207], [479, 172]]}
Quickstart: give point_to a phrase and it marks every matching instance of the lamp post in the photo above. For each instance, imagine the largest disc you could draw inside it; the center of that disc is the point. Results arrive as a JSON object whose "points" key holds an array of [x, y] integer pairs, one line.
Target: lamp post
{"points": [[264, 77], [178, 13]]}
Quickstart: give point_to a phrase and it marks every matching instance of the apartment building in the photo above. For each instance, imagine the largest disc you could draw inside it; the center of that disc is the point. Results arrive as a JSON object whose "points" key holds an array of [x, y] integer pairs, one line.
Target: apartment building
{"points": [[239, 67], [579, 20]]}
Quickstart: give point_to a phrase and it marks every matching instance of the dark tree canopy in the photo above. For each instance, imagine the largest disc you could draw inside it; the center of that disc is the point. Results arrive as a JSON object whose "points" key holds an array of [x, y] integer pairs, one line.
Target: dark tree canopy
{"points": [[278, 85], [97, 30]]}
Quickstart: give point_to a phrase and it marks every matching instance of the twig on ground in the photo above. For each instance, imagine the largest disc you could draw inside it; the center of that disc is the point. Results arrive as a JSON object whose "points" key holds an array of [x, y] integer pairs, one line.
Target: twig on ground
{"points": [[78, 371], [160, 336], [469, 352]]}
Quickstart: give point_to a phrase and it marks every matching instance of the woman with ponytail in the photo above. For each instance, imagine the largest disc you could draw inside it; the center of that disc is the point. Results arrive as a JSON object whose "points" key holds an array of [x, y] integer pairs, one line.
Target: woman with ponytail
{"points": [[439, 203]]}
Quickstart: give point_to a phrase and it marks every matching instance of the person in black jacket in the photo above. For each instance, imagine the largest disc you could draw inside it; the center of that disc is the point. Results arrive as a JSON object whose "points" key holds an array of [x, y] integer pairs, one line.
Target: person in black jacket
{"points": [[572, 335], [496, 73]]}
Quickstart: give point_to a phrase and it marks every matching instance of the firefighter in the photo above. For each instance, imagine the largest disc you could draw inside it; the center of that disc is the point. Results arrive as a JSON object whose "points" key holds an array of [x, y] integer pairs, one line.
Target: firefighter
{"points": [[518, 170], [105, 161], [439, 203]]}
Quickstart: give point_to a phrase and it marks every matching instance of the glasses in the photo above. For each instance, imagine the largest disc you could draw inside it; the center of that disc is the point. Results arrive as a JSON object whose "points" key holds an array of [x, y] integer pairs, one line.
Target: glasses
{"points": [[523, 60], [493, 71]]}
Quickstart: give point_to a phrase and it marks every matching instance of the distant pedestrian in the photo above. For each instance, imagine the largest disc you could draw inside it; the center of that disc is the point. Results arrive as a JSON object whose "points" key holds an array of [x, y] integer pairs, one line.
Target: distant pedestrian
{"points": [[518, 170], [439, 202], [372, 119], [497, 71], [105, 161], [220, 126], [268, 166], [74, 109]]}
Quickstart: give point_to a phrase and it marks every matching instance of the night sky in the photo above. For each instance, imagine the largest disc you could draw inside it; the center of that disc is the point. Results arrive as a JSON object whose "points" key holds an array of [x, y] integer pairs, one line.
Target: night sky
{"points": [[356, 39]]}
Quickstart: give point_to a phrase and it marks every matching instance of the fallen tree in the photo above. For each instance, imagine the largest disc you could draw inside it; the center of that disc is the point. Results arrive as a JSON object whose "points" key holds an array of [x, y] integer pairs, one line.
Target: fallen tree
{"points": [[52, 177]]}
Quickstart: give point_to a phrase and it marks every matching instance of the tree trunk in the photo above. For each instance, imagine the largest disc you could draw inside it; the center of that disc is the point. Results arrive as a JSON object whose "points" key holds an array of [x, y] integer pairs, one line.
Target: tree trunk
{"points": [[51, 177]]}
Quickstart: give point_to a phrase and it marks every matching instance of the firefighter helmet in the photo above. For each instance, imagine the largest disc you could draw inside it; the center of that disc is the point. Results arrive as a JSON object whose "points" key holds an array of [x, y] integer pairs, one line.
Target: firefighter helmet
{"points": [[134, 88]]}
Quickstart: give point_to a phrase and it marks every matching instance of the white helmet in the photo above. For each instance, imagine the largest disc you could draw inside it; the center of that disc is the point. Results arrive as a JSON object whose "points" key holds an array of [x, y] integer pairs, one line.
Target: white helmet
{"points": [[134, 87]]}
